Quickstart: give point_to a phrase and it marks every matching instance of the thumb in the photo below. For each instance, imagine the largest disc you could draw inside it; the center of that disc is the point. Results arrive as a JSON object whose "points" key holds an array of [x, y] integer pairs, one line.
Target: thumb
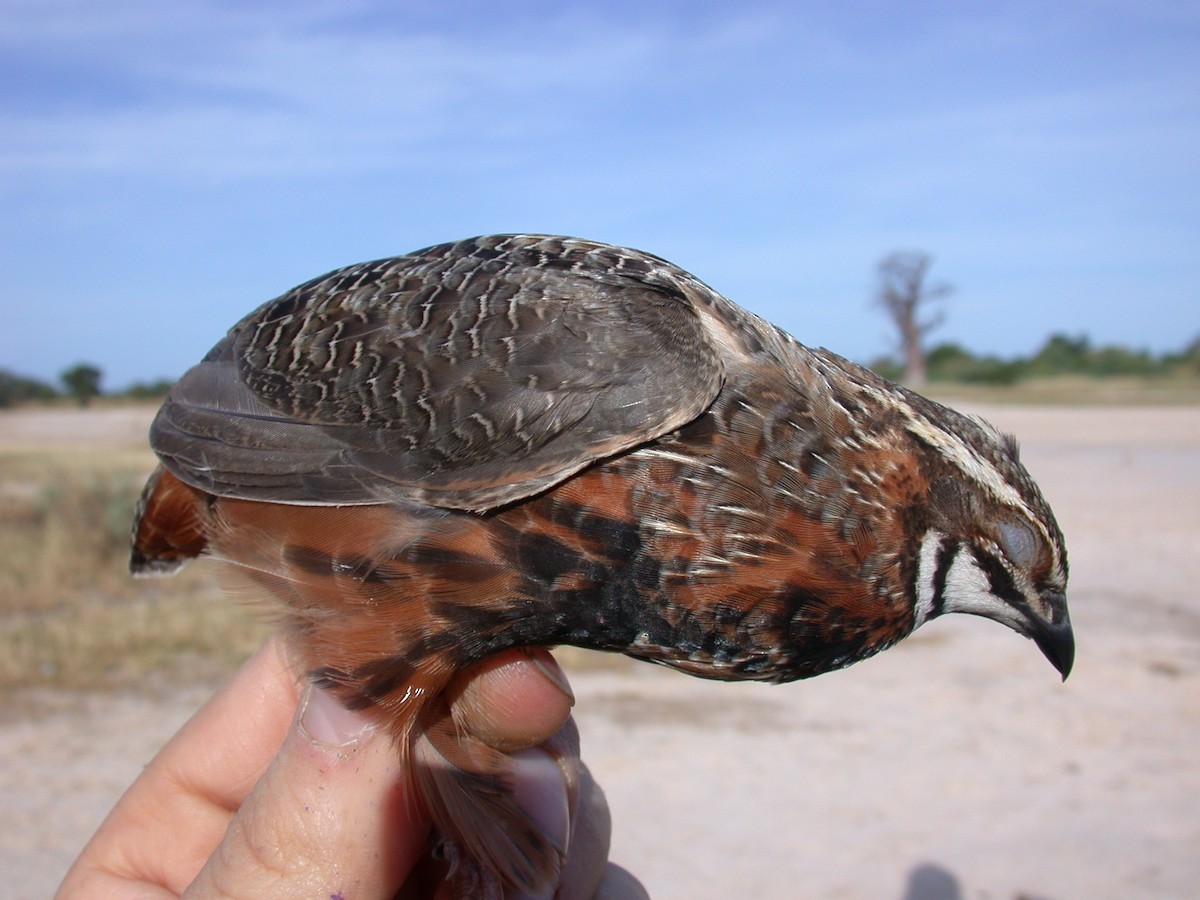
{"points": [[334, 815]]}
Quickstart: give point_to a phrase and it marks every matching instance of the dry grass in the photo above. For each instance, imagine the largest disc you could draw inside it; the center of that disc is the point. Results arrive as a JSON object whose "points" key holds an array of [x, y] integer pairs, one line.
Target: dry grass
{"points": [[70, 614], [1076, 391]]}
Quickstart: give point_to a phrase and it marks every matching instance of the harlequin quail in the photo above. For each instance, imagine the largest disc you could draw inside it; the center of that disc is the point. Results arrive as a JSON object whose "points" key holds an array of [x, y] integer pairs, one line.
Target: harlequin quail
{"points": [[525, 439]]}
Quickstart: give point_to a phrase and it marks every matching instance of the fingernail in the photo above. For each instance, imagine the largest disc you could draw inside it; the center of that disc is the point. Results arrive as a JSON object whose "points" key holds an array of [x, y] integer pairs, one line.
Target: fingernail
{"points": [[539, 789], [549, 667], [325, 721]]}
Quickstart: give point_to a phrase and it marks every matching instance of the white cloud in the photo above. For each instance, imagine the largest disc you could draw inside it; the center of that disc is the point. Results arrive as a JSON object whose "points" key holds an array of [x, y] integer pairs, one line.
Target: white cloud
{"points": [[234, 93]]}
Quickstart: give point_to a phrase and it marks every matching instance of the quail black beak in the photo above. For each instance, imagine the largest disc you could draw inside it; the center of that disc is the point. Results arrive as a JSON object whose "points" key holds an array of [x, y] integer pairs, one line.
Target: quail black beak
{"points": [[1053, 634]]}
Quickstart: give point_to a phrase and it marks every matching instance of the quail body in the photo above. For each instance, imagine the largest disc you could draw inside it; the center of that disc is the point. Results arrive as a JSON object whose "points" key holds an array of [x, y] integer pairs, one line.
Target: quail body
{"points": [[529, 439]]}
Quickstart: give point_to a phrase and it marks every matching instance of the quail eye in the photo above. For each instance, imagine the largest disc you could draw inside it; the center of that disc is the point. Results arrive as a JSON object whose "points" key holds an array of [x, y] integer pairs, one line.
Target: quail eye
{"points": [[1019, 542]]}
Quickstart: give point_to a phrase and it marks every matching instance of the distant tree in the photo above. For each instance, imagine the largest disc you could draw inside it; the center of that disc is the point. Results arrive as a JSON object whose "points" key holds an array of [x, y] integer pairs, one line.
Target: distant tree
{"points": [[1062, 355], [1187, 360], [82, 382], [16, 389], [949, 362], [1117, 360], [953, 362], [886, 367], [148, 390], [904, 296]]}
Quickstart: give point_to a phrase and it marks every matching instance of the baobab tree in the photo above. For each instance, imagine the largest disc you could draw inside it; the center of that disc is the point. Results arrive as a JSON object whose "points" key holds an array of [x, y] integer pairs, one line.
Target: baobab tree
{"points": [[904, 295]]}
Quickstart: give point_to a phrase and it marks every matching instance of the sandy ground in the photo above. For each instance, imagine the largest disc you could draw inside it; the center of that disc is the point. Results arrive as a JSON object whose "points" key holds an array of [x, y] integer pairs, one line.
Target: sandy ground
{"points": [[954, 766]]}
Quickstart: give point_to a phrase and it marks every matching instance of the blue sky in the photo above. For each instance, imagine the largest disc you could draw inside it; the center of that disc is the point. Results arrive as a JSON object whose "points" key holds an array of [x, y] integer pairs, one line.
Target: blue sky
{"points": [[166, 167]]}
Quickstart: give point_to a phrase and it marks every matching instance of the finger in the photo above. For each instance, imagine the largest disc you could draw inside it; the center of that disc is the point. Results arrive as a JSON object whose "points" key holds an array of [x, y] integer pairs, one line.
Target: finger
{"points": [[619, 884], [333, 816], [169, 820], [520, 702], [512, 700], [541, 788], [587, 850]]}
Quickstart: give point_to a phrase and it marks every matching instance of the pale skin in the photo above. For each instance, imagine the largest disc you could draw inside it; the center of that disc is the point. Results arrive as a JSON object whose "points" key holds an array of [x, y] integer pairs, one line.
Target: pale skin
{"points": [[273, 790]]}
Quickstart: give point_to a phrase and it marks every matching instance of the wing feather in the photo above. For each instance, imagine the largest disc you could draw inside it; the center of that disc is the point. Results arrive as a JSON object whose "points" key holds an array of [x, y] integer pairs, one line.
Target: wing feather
{"points": [[467, 375]]}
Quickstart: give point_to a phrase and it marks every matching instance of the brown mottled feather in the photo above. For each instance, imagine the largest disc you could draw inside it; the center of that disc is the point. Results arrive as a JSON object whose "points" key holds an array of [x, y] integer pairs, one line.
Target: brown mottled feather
{"points": [[170, 525], [522, 440]]}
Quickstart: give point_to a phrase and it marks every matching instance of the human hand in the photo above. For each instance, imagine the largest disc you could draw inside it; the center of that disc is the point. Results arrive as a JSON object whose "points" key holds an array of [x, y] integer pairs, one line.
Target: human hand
{"points": [[274, 790]]}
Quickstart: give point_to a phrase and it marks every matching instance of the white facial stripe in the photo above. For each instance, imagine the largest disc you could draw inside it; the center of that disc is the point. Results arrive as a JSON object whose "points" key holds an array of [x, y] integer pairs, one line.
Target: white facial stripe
{"points": [[954, 448], [927, 563], [968, 590], [958, 452]]}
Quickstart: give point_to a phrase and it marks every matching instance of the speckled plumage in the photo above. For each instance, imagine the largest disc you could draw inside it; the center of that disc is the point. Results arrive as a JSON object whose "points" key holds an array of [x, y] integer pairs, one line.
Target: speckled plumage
{"points": [[539, 440]]}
